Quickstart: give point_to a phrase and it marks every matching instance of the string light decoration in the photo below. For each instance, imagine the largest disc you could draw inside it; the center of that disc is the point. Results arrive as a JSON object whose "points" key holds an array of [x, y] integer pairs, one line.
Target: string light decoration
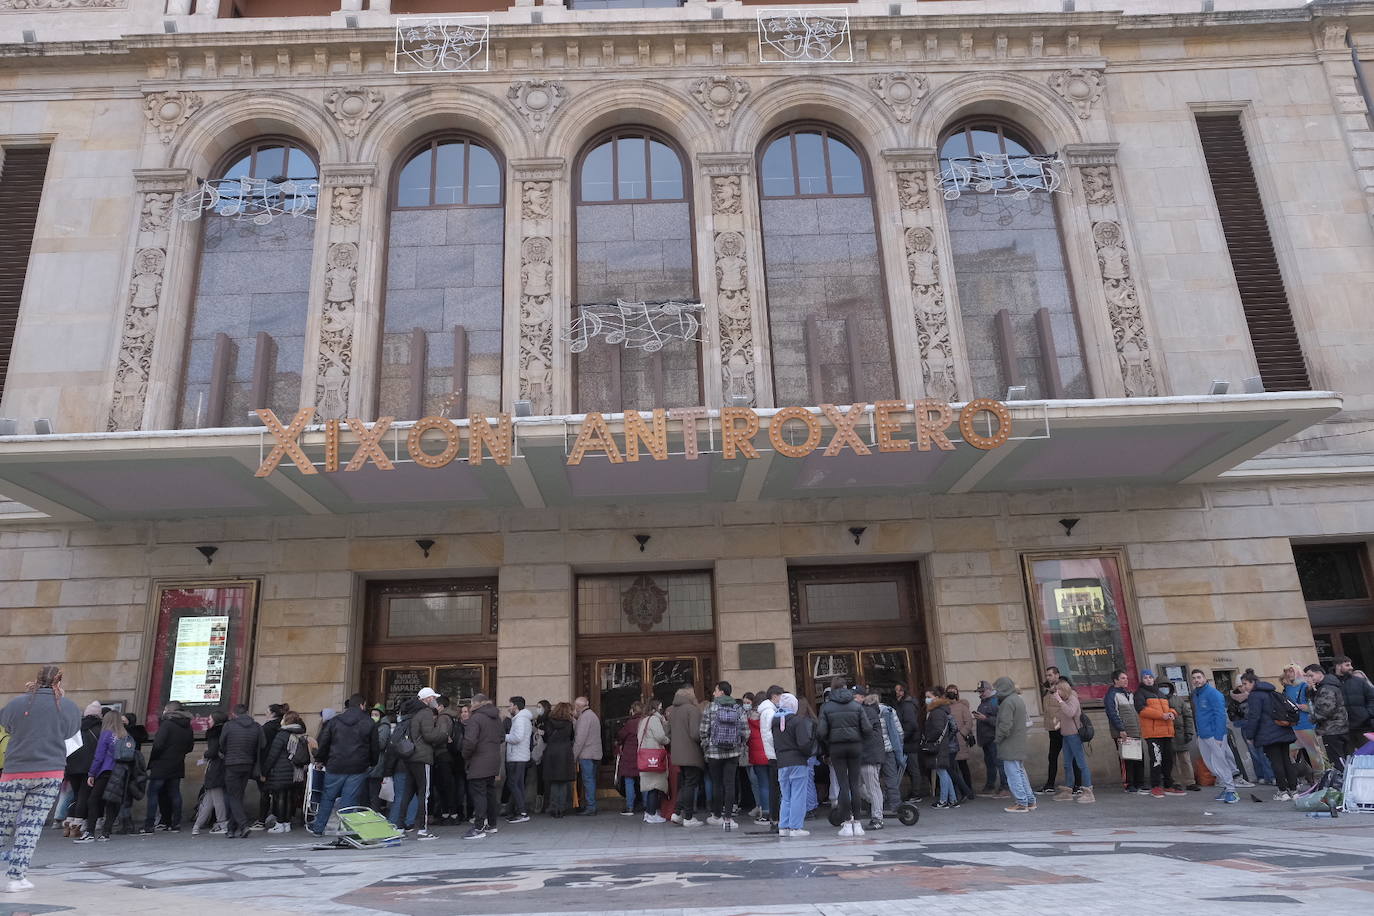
{"points": [[820, 35], [647, 326], [442, 44], [983, 184], [259, 201]]}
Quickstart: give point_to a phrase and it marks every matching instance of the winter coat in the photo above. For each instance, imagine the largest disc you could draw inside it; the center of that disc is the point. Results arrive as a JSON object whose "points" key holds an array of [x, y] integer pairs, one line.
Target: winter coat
{"points": [[1259, 725], [214, 768], [1011, 720], [627, 740], [103, 760], [794, 738], [79, 762], [559, 765], [1152, 708], [1185, 729], [1069, 715], [1298, 693], [1359, 701], [173, 741], [987, 726], [383, 742], [128, 781], [518, 738], [587, 737], [429, 731], [1209, 713], [873, 753], [483, 739], [767, 710], [1328, 707], [724, 751], [910, 717], [842, 720], [758, 749], [1121, 714], [269, 735], [892, 730], [937, 734], [963, 721], [1049, 704], [652, 734], [39, 725], [348, 744], [277, 769], [684, 730], [241, 743]]}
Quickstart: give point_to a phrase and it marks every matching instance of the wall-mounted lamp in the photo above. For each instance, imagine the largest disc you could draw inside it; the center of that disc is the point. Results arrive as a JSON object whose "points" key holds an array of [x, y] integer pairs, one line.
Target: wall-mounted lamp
{"points": [[208, 551], [424, 544], [1068, 524], [1219, 386], [524, 408], [858, 532], [642, 539]]}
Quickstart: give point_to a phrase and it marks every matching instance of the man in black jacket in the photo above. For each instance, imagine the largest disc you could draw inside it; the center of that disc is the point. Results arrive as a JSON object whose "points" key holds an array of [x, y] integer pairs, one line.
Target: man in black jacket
{"points": [[275, 711], [241, 746], [167, 767], [908, 714], [843, 728], [1359, 700], [348, 749]]}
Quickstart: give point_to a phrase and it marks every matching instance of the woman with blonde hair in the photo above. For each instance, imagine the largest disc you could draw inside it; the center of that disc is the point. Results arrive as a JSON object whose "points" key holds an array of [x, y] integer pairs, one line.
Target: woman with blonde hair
{"points": [[1070, 727], [1296, 689]]}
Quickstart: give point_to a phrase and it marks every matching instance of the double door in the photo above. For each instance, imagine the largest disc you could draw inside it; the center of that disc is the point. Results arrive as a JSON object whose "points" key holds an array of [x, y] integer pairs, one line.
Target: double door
{"points": [[622, 682], [878, 668]]}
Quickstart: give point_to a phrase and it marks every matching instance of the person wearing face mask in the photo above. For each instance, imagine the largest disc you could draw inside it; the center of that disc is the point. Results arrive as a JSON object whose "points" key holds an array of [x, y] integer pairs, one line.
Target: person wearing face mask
{"points": [[758, 761], [1185, 735], [1157, 729], [375, 775], [964, 742]]}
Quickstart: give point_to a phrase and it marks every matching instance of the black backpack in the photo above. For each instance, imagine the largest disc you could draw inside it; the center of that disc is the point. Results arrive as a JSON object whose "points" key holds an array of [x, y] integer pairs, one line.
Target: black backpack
{"points": [[298, 748], [402, 745], [1283, 710]]}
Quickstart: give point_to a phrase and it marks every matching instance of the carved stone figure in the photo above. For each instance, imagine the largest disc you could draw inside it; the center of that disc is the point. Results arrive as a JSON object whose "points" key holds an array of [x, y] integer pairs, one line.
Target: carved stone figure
{"points": [[537, 100], [136, 339], [352, 107], [1080, 88], [725, 194], [156, 209], [735, 319], [932, 319], [1123, 311], [732, 275], [1097, 185], [534, 200], [899, 91], [166, 111], [335, 361], [1111, 256], [536, 323], [720, 96], [346, 206], [911, 191], [342, 277], [920, 257]]}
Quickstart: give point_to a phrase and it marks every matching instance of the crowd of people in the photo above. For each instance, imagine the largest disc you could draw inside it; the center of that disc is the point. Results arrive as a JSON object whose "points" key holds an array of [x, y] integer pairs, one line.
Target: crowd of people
{"points": [[766, 756]]}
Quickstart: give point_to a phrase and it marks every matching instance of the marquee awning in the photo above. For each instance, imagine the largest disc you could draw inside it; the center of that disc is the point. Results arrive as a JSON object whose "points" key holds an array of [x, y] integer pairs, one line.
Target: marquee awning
{"points": [[1054, 444]]}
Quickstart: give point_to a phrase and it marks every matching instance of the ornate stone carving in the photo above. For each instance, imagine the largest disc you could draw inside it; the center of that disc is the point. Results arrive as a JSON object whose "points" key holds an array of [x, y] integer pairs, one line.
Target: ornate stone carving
{"points": [[7, 5], [1333, 36], [534, 199], [1080, 88], [536, 100], [169, 110], [536, 323], [912, 192], [1097, 185], [725, 194], [736, 326], [1123, 309], [351, 107], [157, 210], [720, 96], [899, 91], [136, 340], [932, 318], [335, 360], [345, 206]]}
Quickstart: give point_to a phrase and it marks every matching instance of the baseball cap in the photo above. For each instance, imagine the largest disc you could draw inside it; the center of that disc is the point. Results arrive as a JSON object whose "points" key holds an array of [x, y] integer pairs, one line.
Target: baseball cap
{"points": [[426, 693], [983, 685]]}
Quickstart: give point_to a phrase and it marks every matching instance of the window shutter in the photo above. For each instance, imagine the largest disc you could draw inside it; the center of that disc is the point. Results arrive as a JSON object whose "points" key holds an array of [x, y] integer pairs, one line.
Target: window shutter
{"points": [[21, 186], [1262, 293]]}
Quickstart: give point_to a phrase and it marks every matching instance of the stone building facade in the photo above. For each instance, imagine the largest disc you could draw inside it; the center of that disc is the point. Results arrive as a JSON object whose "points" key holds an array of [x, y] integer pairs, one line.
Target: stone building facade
{"points": [[804, 191]]}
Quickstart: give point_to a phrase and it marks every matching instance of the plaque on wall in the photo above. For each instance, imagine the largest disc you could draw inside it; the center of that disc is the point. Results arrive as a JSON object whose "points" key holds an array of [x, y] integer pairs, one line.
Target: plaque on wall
{"points": [[756, 656], [400, 684]]}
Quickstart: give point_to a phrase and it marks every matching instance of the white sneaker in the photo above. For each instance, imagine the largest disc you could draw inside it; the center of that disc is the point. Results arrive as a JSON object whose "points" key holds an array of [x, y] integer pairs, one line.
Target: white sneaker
{"points": [[655, 819], [220, 828], [279, 827], [847, 829], [1243, 783], [858, 829], [729, 823], [715, 821], [797, 831], [16, 887], [756, 811], [693, 822], [784, 831], [676, 818]]}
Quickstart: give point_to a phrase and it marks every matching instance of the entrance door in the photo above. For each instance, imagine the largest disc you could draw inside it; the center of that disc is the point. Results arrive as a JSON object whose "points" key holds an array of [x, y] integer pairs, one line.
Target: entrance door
{"points": [[1336, 585], [879, 669], [622, 682]]}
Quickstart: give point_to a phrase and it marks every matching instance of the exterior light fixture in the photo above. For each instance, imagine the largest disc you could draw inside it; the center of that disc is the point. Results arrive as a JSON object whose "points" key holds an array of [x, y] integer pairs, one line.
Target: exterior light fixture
{"points": [[424, 544], [42, 426], [9, 426], [1016, 392], [858, 532], [1068, 524], [523, 408], [208, 551], [1219, 386], [1253, 385], [642, 539]]}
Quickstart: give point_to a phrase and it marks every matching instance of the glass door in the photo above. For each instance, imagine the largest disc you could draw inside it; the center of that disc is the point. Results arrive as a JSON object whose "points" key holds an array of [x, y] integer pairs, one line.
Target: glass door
{"points": [[668, 675]]}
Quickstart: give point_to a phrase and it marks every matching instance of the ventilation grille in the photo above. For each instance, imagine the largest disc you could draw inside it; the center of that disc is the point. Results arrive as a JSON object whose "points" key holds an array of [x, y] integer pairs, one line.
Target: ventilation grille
{"points": [[1262, 293], [21, 186]]}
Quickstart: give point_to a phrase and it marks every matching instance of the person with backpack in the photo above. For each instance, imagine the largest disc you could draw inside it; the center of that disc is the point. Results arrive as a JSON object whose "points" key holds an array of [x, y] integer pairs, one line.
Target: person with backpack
{"points": [[938, 746], [1358, 693], [398, 750], [1329, 715], [167, 768], [347, 750], [519, 746], [842, 728], [241, 745], [117, 774], [283, 766], [724, 739], [484, 738], [212, 799], [1269, 720], [266, 801], [1157, 730], [78, 767], [1070, 719]]}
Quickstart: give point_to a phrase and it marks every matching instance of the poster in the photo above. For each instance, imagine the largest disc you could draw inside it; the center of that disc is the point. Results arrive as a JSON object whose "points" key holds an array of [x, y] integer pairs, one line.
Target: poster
{"points": [[1083, 620], [401, 684], [198, 660], [1079, 602]]}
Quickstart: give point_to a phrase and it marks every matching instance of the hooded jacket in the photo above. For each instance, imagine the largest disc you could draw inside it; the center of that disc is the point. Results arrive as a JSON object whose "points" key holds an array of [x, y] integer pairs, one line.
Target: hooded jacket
{"points": [[429, 731], [1152, 708], [483, 738], [873, 753], [842, 720], [559, 765], [39, 725], [794, 738], [587, 737], [1209, 713], [277, 769], [1329, 714], [1185, 728], [724, 751], [937, 733], [1359, 701], [1259, 725], [1121, 715], [173, 741], [518, 738], [79, 763], [684, 730], [214, 765], [910, 717], [987, 726], [349, 745], [1011, 720], [767, 710], [241, 743]]}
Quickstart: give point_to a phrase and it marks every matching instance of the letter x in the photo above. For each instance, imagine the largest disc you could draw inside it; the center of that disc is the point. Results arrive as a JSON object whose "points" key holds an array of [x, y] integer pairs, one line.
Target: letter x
{"points": [[844, 429], [287, 443], [370, 444]]}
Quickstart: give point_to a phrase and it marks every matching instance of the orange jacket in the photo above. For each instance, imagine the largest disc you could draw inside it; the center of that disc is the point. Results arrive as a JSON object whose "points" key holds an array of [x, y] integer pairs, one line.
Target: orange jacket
{"points": [[1152, 721]]}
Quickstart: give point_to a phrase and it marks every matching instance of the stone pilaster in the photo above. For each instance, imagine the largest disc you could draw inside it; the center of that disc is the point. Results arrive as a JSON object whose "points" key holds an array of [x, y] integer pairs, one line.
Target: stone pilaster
{"points": [[752, 606], [536, 635], [1351, 108], [730, 262], [538, 279]]}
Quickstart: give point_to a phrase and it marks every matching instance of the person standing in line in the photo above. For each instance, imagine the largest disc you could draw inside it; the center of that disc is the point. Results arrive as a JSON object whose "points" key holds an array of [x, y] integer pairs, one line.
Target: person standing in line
{"points": [[1359, 700], [1157, 729], [1049, 704], [560, 768], [994, 779], [140, 736], [212, 802], [768, 708], [1308, 744], [167, 767], [724, 739], [652, 735], [910, 717], [275, 714], [441, 776], [1070, 730], [1119, 705], [587, 751], [519, 745], [894, 761], [241, 743], [118, 778], [756, 760], [684, 745], [1011, 744], [1329, 714], [936, 737], [382, 723], [1209, 715], [426, 731], [394, 765], [959, 772], [794, 740], [874, 753], [484, 738], [1263, 728], [842, 728], [1185, 735], [625, 750], [347, 751], [76, 791]]}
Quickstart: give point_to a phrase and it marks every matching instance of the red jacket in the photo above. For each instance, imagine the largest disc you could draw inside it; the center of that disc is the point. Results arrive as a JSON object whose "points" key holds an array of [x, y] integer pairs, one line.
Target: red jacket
{"points": [[757, 755]]}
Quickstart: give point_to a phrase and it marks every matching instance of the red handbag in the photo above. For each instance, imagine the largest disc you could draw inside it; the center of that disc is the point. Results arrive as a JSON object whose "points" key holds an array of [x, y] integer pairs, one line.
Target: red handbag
{"points": [[651, 759]]}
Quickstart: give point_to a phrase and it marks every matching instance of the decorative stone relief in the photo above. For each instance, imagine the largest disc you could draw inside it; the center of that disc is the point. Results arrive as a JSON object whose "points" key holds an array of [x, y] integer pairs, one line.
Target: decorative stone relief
{"points": [[351, 107], [1097, 185], [720, 96], [136, 340], [899, 91], [157, 210], [536, 322], [725, 194], [534, 199], [169, 110], [346, 206], [1080, 88], [932, 318], [335, 363], [1123, 309], [736, 328], [912, 192], [536, 100], [6, 5]]}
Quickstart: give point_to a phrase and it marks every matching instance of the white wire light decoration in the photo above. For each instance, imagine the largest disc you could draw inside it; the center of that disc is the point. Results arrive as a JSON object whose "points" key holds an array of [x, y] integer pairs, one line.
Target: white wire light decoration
{"points": [[442, 44], [647, 326], [805, 35], [992, 178], [255, 200]]}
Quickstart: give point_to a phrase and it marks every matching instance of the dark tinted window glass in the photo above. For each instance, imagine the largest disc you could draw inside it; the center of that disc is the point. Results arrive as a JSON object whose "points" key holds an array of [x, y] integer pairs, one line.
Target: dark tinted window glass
{"points": [[810, 164], [1332, 574], [778, 178]]}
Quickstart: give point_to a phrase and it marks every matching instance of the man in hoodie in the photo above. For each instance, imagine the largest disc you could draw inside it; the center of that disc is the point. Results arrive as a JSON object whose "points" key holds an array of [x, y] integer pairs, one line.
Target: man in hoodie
{"points": [[167, 767], [1011, 744], [241, 747], [1209, 715], [484, 736], [768, 708], [587, 751], [910, 717], [1329, 715], [347, 750], [724, 737], [1125, 723], [995, 778], [684, 748], [1157, 730], [518, 757], [842, 728]]}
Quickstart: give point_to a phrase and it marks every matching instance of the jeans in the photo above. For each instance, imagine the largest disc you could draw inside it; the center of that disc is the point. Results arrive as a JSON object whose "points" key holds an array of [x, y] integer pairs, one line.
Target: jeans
{"points": [[400, 818], [723, 785], [344, 788], [1263, 771], [560, 796], [1075, 758], [515, 778], [995, 778], [845, 765], [774, 792], [689, 783], [758, 781], [629, 783], [166, 794], [946, 787], [792, 808], [24, 806], [1019, 783], [588, 770], [1216, 754], [891, 776]]}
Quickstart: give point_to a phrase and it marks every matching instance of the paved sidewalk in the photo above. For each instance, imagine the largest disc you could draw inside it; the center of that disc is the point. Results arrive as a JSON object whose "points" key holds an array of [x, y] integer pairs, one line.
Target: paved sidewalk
{"points": [[1063, 859]]}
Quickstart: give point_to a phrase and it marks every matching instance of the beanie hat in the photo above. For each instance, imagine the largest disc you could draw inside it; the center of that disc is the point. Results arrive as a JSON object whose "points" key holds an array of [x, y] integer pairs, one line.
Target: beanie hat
{"points": [[1147, 673]]}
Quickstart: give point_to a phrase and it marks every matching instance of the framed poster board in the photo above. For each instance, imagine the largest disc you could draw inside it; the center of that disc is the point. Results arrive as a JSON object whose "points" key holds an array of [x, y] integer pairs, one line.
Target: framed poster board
{"points": [[202, 648], [401, 682]]}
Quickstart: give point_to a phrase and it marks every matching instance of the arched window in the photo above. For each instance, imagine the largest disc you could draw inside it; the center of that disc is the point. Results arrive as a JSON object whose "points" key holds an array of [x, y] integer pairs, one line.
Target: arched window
{"points": [[634, 246], [246, 341], [1015, 296], [441, 327], [827, 304]]}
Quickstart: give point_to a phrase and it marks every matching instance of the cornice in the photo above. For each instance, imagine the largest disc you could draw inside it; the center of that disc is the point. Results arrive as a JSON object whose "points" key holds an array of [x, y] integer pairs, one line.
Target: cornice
{"points": [[348, 174], [161, 179], [1083, 154], [915, 159], [718, 164], [550, 168]]}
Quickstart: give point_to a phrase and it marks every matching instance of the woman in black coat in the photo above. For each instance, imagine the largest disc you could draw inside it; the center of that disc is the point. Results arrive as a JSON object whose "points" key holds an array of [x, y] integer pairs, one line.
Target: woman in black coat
{"points": [[212, 799], [280, 769], [937, 746], [559, 767]]}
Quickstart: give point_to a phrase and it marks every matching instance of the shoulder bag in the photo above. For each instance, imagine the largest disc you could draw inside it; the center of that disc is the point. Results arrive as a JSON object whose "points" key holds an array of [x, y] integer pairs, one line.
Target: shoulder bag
{"points": [[650, 759]]}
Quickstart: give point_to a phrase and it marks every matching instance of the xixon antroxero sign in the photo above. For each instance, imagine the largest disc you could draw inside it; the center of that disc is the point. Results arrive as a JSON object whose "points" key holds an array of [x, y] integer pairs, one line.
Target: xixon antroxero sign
{"points": [[927, 420]]}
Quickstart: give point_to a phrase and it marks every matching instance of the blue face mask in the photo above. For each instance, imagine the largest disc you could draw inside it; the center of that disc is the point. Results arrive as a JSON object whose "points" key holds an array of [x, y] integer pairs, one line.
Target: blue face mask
{"points": [[929, 700]]}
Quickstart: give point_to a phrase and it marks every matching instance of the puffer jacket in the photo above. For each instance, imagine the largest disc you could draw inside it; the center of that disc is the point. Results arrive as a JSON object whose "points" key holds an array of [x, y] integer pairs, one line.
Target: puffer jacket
{"points": [[1359, 700], [794, 738], [1121, 715], [684, 730], [873, 753], [277, 769], [1152, 708], [938, 734], [1011, 720], [483, 740], [1210, 709], [241, 743], [173, 741], [987, 726], [430, 731], [214, 766], [348, 745], [910, 718], [963, 722], [79, 761], [128, 781], [842, 720], [1185, 728], [1328, 707], [1259, 725]]}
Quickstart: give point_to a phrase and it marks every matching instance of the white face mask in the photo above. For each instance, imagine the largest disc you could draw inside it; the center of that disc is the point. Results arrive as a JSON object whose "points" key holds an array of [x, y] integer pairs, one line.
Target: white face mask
{"points": [[929, 700]]}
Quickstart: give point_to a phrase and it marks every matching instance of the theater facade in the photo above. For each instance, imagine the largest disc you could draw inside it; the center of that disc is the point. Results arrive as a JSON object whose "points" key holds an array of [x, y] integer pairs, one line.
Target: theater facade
{"points": [[598, 348]]}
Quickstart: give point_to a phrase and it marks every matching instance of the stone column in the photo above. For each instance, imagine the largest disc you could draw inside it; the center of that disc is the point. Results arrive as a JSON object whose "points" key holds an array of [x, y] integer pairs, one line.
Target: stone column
{"points": [[925, 289], [1113, 290], [539, 282], [1344, 84], [343, 294], [144, 393], [535, 635], [752, 606], [733, 291]]}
